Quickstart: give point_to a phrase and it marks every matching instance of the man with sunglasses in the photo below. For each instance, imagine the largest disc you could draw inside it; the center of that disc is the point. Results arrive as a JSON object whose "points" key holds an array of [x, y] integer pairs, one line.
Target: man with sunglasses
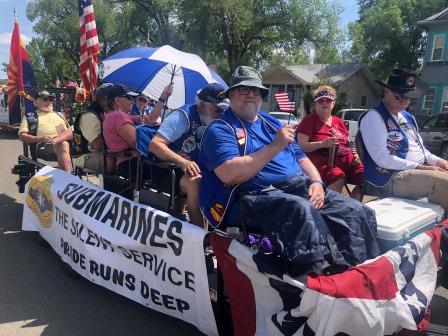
{"points": [[178, 139], [395, 158], [253, 169], [53, 131], [145, 111]]}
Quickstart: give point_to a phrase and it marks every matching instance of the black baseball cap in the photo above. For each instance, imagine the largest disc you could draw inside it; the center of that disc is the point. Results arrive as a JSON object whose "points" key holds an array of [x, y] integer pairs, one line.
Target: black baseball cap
{"points": [[212, 93], [120, 90]]}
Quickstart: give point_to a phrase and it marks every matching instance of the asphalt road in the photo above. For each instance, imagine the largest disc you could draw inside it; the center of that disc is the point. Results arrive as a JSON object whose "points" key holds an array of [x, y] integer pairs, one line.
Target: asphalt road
{"points": [[39, 297]]}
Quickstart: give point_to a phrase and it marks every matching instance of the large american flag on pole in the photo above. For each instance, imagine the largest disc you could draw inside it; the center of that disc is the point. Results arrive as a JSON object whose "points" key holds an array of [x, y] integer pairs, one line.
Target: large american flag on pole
{"points": [[89, 47], [285, 100], [383, 296]]}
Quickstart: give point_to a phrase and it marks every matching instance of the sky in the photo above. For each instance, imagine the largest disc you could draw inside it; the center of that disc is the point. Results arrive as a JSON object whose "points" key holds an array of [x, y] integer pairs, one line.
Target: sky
{"points": [[349, 14]]}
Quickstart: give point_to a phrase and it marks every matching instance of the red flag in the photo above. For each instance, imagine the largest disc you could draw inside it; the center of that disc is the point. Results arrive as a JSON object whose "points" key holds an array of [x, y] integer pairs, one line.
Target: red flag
{"points": [[286, 101], [89, 47], [20, 74]]}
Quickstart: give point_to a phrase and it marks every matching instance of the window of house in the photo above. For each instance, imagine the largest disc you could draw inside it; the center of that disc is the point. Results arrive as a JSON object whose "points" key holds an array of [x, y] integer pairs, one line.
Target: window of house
{"points": [[437, 48], [428, 102], [445, 100], [363, 101], [266, 98]]}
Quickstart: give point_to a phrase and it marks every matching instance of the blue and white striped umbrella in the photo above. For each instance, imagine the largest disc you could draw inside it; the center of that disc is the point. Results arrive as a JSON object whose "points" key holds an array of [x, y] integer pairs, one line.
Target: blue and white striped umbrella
{"points": [[149, 70]]}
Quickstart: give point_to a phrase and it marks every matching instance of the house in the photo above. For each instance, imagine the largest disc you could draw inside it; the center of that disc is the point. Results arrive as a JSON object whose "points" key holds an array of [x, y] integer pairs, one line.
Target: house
{"points": [[435, 64], [353, 82]]}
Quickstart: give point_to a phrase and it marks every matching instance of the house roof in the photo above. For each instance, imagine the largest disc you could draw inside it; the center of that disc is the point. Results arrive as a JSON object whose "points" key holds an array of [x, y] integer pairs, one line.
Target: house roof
{"points": [[436, 18], [313, 73]]}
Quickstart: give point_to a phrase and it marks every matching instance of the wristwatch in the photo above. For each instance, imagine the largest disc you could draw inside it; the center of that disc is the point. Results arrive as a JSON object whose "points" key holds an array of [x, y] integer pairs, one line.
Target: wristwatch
{"points": [[162, 100]]}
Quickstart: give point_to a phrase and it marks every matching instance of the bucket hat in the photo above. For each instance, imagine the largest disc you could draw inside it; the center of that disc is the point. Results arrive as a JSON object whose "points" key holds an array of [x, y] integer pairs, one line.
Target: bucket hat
{"points": [[246, 76]]}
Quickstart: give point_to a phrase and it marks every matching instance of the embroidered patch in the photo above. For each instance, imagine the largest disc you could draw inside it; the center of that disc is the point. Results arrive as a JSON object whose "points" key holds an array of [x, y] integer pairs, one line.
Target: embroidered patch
{"points": [[241, 136], [189, 144], [394, 136], [217, 212], [391, 125]]}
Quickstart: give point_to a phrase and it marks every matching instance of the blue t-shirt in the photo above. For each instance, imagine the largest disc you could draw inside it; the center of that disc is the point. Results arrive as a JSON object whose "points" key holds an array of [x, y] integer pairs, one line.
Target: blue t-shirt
{"points": [[174, 126], [220, 145]]}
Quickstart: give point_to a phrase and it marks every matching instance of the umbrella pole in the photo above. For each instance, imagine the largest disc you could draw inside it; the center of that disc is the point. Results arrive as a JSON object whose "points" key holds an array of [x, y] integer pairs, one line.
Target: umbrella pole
{"points": [[165, 106]]}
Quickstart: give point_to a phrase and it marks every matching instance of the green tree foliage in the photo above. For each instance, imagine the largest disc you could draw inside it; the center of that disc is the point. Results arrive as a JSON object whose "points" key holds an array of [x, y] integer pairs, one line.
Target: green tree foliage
{"points": [[386, 34], [55, 52], [225, 33]]}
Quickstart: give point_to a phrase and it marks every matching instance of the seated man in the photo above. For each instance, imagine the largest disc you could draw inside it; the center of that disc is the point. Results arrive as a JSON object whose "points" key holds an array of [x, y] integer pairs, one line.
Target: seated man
{"points": [[248, 153], [178, 138], [395, 157], [53, 131], [142, 113], [88, 142]]}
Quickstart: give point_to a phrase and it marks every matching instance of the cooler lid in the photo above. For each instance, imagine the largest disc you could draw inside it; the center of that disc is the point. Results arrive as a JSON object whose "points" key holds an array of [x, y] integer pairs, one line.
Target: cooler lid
{"points": [[399, 217]]}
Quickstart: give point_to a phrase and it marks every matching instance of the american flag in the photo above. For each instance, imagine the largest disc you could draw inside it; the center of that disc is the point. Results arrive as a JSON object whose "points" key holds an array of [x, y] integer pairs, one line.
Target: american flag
{"points": [[89, 47], [286, 101], [382, 296]]}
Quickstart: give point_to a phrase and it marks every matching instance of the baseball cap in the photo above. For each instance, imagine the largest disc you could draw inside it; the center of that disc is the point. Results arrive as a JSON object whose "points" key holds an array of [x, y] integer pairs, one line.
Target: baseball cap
{"points": [[212, 93], [119, 90]]}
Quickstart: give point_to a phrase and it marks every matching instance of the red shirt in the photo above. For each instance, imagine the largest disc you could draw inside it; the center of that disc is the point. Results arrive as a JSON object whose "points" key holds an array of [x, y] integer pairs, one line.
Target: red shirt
{"points": [[312, 126]]}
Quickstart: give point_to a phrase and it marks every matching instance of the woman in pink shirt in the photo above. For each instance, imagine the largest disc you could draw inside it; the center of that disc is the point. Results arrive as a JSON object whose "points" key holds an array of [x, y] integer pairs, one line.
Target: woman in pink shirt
{"points": [[119, 129]]}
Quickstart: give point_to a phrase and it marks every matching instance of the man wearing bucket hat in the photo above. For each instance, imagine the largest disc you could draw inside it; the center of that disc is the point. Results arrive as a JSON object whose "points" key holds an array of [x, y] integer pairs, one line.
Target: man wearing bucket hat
{"points": [[253, 168], [53, 131], [395, 158], [179, 137]]}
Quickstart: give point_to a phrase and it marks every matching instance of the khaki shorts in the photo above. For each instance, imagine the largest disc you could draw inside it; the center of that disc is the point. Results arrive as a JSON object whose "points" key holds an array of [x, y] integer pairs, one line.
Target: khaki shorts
{"points": [[417, 183]]}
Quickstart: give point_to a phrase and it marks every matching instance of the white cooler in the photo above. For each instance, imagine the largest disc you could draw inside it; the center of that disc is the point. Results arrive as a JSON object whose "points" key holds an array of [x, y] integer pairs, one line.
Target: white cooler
{"points": [[401, 219]]}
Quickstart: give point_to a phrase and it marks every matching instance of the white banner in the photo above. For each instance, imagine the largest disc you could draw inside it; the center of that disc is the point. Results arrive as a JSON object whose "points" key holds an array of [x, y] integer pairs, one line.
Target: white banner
{"points": [[134, 250]]}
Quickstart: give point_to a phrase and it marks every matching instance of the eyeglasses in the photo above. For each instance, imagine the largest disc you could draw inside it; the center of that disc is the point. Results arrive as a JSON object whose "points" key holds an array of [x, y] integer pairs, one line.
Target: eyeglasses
{"points": [[325, 100], [399, 96], [244, 90], [45, 99]]}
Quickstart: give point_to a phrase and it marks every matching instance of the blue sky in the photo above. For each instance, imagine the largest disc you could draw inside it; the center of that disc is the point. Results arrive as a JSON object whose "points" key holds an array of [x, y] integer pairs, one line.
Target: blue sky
{"points": [[350, 14]]}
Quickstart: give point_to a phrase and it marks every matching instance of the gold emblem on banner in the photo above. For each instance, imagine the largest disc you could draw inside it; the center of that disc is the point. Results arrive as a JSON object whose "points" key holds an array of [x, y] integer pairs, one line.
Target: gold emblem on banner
{"points": [[40, 200]]}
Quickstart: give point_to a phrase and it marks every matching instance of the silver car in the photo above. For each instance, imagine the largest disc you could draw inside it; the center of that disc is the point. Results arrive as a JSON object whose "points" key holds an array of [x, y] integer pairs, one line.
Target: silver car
{"points": [[434, 133], [285, 118], [350, 118]]}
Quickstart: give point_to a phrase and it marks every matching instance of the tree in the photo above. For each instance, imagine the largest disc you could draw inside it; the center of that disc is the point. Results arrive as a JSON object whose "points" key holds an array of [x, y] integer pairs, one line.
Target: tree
{"points": [[386, 34], [56, 49]]}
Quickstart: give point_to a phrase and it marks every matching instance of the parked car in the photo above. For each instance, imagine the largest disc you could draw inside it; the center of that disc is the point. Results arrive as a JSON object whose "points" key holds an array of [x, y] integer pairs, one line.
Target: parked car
{"points": [[285, 118], [350, 118], [434, 133]]}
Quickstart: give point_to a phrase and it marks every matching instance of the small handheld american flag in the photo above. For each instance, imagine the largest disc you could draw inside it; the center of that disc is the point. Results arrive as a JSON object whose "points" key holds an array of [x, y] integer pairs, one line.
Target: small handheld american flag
{"points": [[286, 101]]}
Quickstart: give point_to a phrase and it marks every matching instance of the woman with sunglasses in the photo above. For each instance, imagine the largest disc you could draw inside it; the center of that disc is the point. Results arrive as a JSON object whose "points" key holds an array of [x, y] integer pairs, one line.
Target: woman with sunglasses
{"points": [[326, 140]]}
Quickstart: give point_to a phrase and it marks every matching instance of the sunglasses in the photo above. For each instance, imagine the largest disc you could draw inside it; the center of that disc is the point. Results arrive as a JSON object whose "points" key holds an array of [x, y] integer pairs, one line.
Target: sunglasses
{"points": [[142, 99], [325, 100], [245, 90], [399, 96], [45, 99]]}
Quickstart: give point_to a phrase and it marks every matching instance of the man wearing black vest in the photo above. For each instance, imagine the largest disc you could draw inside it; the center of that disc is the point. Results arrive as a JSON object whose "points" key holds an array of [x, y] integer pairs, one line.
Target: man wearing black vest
{"points": [[395, 158], [88, 142]]}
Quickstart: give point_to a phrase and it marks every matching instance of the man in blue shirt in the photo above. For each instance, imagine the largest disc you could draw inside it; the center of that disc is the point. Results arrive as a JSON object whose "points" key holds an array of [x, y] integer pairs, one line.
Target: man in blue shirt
{"points": [[247, 155], [178, 138]]}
